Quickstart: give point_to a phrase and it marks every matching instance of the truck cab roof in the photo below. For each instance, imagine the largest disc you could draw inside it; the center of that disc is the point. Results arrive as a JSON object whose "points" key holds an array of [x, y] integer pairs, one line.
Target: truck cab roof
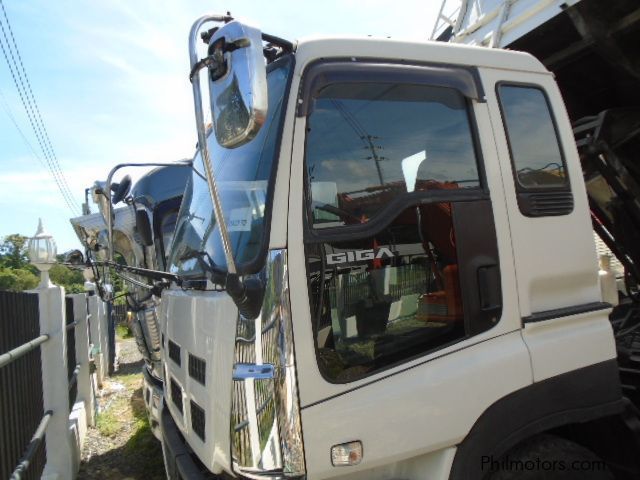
{"points": [[313, 48]]}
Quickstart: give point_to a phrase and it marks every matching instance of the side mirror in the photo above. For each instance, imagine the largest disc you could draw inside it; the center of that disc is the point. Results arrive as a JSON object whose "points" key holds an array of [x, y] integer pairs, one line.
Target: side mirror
{"points": [[120, 190], [74, 257], [143, 226], [237, 84]]}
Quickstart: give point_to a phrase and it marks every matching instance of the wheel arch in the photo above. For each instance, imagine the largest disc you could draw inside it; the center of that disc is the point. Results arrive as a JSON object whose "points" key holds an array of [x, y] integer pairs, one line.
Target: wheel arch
{"points": [[573, 398]]}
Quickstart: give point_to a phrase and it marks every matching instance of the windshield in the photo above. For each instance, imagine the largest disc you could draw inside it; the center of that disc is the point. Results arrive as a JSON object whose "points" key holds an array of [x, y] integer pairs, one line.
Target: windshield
{"points": [[243, 176]]}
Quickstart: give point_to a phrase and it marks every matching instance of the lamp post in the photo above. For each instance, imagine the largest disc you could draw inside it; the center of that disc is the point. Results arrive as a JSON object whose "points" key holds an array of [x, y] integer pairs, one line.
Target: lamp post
{"points": [[42, 253]]}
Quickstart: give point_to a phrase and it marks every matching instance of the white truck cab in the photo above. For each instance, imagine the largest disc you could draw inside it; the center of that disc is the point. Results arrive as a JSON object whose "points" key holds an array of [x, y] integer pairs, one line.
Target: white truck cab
{"points": [[141, 233], [386, 270]]}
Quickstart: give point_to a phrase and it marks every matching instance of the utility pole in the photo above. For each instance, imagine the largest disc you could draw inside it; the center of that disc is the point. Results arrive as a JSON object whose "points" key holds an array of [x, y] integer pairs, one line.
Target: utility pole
{"points": [[374, 154]]}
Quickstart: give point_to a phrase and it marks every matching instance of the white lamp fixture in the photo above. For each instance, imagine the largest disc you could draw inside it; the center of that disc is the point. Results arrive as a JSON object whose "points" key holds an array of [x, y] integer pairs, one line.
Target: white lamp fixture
{"points": [[42, 253]]}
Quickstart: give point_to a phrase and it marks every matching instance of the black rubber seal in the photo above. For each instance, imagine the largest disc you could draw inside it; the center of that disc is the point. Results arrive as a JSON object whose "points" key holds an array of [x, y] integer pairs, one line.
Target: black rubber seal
{"points": [[566, 312]]}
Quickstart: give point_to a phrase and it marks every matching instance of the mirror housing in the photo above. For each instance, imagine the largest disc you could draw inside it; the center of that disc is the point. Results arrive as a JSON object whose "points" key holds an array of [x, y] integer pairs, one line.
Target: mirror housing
{"points": [[74, 257], [121, 190], [237, 84]]}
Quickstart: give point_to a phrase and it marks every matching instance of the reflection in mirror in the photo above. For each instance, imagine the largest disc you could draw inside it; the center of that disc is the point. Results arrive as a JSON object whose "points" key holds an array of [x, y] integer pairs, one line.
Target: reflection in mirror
{"points": [[237, 84]]}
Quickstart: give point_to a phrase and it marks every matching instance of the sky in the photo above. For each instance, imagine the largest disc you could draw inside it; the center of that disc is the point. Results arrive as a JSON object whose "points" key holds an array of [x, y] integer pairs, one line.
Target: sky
{"points": [[110, 79]]}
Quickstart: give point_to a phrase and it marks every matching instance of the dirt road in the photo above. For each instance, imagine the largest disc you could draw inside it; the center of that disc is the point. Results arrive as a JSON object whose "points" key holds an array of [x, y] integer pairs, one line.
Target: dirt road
{"points": [[121, 445]]}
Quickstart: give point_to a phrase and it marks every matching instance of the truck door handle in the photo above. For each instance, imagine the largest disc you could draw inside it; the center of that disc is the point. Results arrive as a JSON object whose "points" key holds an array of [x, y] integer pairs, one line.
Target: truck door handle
{"points": [[244, 371], [489, 288]]}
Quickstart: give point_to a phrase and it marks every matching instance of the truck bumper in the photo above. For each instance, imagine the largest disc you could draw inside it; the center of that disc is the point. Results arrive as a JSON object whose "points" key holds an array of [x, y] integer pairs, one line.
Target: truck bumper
{"points": [[179, 462], [153, 401]]}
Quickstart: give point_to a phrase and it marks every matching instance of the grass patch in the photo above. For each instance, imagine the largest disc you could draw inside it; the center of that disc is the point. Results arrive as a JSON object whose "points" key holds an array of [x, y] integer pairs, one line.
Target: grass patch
{"points": [[123, 331], [142, 444], [112, 420], [119, 414], [131, 381], [126, 417]]}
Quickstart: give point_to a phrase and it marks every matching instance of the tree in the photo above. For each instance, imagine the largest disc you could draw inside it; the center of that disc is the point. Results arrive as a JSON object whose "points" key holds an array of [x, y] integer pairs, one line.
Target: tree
{"points": [[13, 251], [17, 279], [8, 279], [26, 279], [71, 280]]}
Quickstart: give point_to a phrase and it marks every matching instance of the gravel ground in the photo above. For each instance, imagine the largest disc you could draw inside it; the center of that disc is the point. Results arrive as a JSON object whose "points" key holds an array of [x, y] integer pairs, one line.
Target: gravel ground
{"points": [[121, 445]]}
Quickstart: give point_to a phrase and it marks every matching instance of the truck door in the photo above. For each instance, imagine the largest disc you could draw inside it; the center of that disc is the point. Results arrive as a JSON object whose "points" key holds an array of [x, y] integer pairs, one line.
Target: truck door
{"points": [[402, 285], [565, 324]]}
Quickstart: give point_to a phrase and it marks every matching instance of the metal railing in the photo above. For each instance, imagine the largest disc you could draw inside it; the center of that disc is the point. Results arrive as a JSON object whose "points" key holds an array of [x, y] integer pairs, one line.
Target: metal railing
{"points": [[21, 399], [73, 367], [32, 448], [16, 353], [37, 339], [120, 313]]}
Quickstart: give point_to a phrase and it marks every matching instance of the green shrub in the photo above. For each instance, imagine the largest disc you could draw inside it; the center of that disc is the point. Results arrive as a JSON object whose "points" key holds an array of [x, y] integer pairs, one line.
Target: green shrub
{"points": [[17, 279]]}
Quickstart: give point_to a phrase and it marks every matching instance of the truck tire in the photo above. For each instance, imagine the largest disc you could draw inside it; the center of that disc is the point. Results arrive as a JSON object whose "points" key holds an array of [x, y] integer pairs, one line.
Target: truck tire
{"points": [[547, 457]]}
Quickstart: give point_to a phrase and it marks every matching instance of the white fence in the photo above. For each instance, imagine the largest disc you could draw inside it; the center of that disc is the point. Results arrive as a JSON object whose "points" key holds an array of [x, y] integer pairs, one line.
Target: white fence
{"points": [[73, 336]]}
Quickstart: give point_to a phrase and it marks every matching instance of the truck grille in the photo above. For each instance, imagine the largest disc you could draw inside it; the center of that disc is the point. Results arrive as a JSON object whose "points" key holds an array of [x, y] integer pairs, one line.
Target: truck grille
{"points": [[174, 353], [197, 368], [176, 395], [197, 419], [545, 204]]}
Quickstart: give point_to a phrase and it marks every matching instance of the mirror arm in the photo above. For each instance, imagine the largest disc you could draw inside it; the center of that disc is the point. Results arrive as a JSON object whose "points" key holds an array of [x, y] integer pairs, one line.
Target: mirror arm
{"points": [[206, 62], [285, 45], [213, 61], [202, 137], [144, 272]]}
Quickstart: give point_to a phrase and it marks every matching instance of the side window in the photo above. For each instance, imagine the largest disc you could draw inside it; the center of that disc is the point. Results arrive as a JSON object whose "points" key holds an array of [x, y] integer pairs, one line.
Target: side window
{"points": [[539, 167], [165, 217], [369, 143], [167, 229], [393, 180]]}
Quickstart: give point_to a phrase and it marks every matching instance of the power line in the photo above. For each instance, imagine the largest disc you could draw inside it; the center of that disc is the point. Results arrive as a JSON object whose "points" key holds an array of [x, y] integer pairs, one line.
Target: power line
{"points": [[7, 110], [43, 139], [35, 104], [33, 113], [50, 166]]}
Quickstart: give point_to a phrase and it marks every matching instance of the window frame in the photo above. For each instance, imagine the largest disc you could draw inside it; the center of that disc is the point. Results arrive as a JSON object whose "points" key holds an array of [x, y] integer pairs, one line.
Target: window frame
{"points": [[524, 194]]}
